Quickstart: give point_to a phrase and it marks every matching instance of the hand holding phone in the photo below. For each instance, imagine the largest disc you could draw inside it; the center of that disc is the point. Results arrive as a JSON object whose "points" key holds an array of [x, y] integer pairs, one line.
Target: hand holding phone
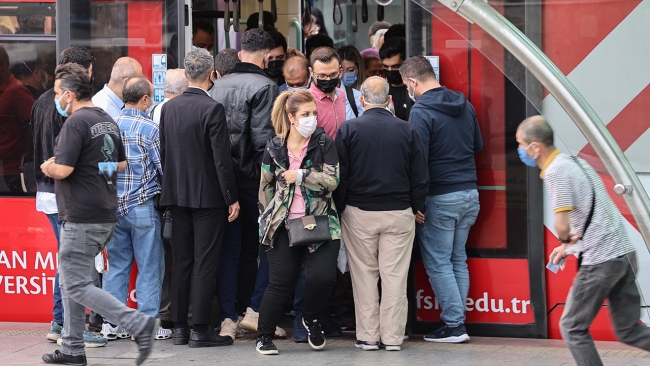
{"points": [[552, 266]]}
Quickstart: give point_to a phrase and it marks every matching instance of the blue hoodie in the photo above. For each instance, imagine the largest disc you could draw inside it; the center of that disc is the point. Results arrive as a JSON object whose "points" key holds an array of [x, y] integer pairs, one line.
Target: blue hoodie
{"points": [[447, 125]]}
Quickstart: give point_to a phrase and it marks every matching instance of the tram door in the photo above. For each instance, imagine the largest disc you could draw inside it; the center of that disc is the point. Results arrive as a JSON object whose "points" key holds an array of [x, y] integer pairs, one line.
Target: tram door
{"points": [[505, 245], [599, 46]]}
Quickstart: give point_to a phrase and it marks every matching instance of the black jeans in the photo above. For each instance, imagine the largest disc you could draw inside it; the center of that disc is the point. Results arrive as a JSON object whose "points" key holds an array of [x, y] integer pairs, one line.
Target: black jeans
{"points": [[197, 234], [284, 268]]}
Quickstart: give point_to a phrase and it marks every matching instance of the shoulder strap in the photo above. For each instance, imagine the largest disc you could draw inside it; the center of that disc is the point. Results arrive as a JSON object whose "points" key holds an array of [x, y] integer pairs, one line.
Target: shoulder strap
{"points": [[152, 110], [593, 205], [351, 100]]}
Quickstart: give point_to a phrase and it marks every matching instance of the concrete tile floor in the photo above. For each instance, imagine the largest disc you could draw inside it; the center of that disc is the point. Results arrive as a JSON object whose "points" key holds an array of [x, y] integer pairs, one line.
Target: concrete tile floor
{"points": [[25, 343]]}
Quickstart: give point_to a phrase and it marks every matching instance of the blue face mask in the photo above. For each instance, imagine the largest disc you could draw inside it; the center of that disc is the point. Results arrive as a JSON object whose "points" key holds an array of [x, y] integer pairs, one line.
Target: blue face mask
{"points": [[349, 78], [412, 96], [57, 103], [292, 89], [523, 156]]}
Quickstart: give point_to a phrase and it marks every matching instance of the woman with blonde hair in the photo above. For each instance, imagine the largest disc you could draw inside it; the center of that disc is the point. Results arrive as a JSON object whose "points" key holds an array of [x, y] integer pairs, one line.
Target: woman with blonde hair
{"points": [[298, 219]]}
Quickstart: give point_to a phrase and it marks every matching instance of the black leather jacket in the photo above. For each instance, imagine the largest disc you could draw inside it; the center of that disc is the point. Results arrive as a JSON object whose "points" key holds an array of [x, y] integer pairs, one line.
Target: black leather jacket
{"points": [[247, 94]]}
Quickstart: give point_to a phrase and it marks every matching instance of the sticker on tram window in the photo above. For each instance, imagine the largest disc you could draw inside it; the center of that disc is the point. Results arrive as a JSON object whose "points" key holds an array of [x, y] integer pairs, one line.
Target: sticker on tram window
{"points": [[435, 63], [158, 95], [159, 61], [159, 77]]}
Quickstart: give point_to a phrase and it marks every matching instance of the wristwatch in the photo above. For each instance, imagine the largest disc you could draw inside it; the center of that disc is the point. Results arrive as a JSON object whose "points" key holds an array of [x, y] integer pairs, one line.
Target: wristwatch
{"points": [[564, 241]]}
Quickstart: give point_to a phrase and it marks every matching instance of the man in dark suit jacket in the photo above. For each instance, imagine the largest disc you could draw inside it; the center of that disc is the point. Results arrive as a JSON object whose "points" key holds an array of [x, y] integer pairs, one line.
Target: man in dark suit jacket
{"points": [[199, 186]]}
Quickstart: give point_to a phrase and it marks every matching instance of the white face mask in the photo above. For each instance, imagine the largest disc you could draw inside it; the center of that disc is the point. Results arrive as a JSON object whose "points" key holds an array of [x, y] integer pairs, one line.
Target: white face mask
{"points": [[307, 126]]}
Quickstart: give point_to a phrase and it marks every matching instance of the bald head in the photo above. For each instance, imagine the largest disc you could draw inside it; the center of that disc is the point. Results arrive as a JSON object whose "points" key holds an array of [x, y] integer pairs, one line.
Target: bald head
{"points": [[536, 129], [175, 83], [124, 68], [296, 71], [375, 92]]}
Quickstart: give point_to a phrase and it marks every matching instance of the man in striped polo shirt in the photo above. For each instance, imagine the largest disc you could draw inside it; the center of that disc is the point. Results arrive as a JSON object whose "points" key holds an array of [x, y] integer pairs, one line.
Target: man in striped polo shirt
{"points": [[584, 211]]}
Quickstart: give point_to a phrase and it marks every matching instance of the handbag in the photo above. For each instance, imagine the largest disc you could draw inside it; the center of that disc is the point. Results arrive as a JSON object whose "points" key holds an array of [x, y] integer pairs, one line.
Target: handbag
{"points": [[308, 230], [167, 225]]}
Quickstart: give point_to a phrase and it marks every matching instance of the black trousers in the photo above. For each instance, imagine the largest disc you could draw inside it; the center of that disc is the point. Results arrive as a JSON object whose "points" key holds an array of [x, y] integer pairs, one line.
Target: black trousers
{"points": [[284, 268], [197, 234]]}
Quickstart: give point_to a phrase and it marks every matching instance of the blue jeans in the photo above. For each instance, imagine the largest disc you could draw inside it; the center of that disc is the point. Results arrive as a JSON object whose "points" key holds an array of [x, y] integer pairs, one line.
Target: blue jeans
{"points": [[57, 312], [137, 236], [442, 242]]}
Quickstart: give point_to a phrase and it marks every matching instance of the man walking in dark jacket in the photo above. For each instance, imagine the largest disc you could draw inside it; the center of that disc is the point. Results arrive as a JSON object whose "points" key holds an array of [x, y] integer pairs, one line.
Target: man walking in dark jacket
{"points": [[451, 137], [383, 186], [247, 95]]}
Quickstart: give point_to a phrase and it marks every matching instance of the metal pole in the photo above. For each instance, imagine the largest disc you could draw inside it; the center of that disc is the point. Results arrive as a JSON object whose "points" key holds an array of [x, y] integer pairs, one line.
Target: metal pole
{"points": [[628, 184], [298, 27]]}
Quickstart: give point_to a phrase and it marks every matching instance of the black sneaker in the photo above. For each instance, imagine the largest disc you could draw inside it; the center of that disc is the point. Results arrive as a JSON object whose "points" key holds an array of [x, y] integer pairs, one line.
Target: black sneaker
{"points": [[330, 327], [145, 339], [265, 346], [316, 337], [448, 335], [63, 359], [389, 347], [366, 346]]}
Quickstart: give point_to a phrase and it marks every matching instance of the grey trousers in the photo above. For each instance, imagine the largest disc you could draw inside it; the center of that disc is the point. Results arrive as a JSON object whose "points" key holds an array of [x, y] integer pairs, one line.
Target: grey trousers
{"points": [[80, 243], [613, 280]]}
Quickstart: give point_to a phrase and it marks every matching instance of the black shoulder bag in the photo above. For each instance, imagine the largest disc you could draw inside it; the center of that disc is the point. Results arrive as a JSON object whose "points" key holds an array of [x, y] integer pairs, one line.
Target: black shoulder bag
{"points": [[351, 100], [310, 229]]}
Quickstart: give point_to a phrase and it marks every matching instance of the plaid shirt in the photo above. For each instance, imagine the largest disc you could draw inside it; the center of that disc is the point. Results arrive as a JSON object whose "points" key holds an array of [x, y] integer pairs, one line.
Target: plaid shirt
{"points": [[141, 179]]}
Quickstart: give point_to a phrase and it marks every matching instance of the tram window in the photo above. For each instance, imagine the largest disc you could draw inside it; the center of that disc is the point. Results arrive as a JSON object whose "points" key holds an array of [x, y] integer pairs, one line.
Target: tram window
{"points": [[117, 28], [22, 17]]}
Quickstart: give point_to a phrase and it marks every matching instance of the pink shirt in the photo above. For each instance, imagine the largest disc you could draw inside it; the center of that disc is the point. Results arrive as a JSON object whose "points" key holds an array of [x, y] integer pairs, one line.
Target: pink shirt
{"points": [[331, 113], [297, 208]]}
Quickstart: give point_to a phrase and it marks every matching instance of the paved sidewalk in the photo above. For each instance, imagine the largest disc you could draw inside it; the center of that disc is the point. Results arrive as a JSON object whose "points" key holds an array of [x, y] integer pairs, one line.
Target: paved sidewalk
{"points": [[25, 343]]}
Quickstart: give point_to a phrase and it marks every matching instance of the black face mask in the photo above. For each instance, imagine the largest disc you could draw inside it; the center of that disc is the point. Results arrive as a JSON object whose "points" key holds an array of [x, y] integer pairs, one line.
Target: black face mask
{"points": [[274, 69], [327, 86], [393, 77]]}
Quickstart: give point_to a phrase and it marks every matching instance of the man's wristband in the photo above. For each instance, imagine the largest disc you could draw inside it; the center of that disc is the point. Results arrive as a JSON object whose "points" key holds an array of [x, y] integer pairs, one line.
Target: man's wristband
{"points": [[564, 241]]}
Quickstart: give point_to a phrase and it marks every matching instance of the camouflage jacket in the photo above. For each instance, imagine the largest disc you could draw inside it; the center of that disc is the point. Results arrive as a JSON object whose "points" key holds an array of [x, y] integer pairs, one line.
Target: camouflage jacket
{"points": [[320, 169]]}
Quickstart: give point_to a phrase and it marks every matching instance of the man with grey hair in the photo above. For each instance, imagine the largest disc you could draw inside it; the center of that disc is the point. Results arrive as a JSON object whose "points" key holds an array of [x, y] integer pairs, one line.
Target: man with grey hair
{"points": [[451, 137], [175, 85], [137, 235], [374, 27], [607, 259], [110, 97], [224, 61], [383, 187], [199, 187]]}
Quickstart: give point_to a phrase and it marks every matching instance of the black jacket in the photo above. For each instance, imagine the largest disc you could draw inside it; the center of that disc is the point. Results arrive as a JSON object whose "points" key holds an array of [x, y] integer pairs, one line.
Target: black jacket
{"points": [[450, 136], [46, 124], [247, 95], [195, 154], [383, 167]]}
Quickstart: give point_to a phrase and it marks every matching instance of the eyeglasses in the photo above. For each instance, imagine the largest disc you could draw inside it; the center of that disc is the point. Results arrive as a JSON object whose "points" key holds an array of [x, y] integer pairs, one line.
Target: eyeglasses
{"points": [[331, 76]]}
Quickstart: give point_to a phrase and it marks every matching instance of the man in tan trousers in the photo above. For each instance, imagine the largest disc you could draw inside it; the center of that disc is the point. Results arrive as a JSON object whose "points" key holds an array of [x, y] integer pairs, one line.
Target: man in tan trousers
{"points": [[384, 183]]}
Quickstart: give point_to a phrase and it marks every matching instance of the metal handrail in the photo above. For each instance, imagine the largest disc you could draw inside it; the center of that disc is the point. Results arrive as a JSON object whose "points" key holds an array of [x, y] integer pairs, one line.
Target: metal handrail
{"points": [[558, 85], [296, 24]]}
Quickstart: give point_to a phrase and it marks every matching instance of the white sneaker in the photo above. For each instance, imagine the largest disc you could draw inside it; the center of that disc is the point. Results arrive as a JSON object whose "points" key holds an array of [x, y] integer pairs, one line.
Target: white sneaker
{"points": [[229, 328], [112, 333], [250, 320], [280, 333], [163, 333]]}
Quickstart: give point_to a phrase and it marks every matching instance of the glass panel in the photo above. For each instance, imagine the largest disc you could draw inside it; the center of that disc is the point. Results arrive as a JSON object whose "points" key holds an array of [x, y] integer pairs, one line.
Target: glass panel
{"points": [[342, 34], [27, 17], [28, 74], [114, 29], [600, 46]]}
